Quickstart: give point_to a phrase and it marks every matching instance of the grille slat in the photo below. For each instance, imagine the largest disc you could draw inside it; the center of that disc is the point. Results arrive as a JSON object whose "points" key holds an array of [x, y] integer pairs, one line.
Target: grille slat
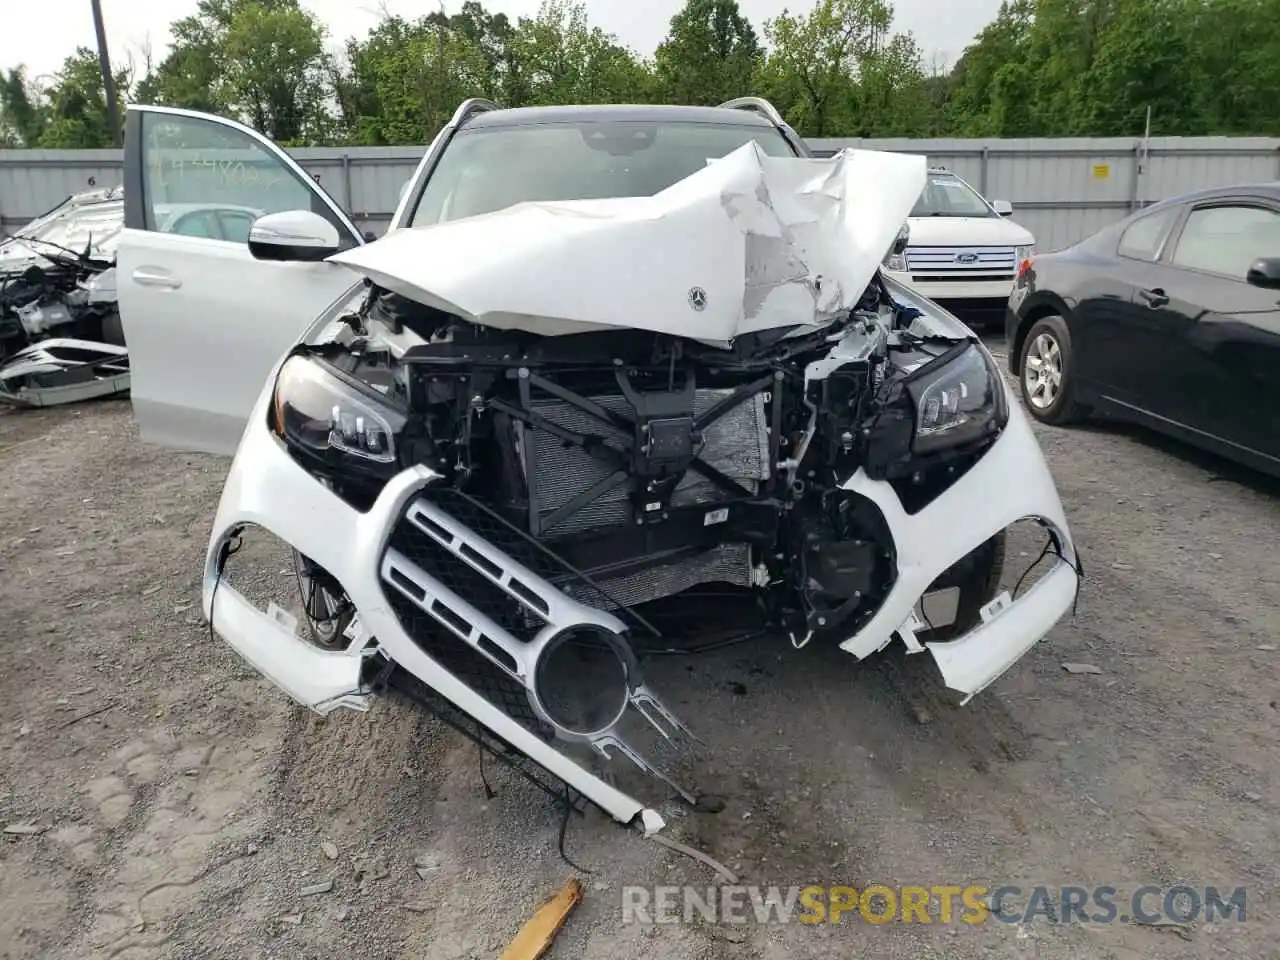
{"points": [[942, 260]]}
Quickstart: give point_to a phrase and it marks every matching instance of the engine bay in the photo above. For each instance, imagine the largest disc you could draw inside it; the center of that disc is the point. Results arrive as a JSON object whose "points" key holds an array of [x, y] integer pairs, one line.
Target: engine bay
{"points": [[680, 484]]}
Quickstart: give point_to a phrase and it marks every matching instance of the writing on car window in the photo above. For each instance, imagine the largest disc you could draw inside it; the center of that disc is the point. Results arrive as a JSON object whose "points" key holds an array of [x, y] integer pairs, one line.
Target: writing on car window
{"points": [[203, 177]]}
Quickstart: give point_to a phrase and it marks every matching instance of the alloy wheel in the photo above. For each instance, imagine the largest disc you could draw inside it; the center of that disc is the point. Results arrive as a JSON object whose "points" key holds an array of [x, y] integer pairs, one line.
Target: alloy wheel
{"points": [[1042, 373]]}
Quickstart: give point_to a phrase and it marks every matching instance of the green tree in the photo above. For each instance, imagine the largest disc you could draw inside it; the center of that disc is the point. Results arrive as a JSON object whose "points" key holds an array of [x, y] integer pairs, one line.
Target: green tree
{"points": [[1142, 63], [1236, 69], [406, 78], [261, 61], [73, 114], [566, 60], [710, 54], [838, 70], [972, 81], [22, 111]]}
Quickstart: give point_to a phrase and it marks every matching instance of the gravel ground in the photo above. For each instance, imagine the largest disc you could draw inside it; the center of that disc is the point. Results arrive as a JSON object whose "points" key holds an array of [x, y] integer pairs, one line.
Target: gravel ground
{"points": [[181, 807]]}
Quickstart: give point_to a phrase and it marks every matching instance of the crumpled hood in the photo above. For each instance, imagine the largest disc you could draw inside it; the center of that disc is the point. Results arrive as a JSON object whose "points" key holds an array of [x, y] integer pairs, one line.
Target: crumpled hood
{"points": [[91, 220], [747, 243]]}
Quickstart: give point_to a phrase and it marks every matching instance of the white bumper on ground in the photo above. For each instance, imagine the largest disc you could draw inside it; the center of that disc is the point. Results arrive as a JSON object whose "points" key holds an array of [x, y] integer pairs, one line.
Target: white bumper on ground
{"points": [[1010, 483]]}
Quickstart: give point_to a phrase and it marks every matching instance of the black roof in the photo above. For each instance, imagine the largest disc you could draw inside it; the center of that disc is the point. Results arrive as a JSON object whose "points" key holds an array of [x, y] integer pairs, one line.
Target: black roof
{"points": [[1268, 189], [641, 113]]}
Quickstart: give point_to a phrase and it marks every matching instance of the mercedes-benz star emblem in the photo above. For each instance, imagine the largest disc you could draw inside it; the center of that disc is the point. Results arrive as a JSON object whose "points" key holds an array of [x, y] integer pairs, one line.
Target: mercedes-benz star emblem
{"points": [[697, 298]]}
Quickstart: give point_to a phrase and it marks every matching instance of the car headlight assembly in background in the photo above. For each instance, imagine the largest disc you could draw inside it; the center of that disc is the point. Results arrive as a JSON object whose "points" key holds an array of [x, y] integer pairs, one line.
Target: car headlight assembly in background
{"points": [[950, 405], [333, 423], [896, 262]]}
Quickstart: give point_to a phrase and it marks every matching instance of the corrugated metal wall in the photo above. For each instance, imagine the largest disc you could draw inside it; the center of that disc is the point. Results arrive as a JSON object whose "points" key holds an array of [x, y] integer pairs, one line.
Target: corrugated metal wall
{"points": [[1062, 189]]}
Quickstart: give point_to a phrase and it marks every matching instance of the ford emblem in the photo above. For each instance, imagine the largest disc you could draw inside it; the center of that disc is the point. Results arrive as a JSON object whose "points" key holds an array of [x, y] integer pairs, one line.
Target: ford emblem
{"points": [[966, 258]]}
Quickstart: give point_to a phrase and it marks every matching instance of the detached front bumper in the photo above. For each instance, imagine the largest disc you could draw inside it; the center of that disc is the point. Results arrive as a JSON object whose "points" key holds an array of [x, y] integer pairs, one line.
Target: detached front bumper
{"points": [[366, 553], [1010, 483], [267, 489]]}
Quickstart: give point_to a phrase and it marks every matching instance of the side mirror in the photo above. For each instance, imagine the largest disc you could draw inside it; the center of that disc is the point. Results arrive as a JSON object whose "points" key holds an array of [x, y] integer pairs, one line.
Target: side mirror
{"points": [[1265, 272], [370, 236], [901, 240], [293, 235], [1002, 207]]}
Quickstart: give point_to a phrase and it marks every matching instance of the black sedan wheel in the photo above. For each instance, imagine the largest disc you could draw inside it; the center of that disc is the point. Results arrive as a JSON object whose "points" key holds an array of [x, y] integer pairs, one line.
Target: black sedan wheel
{"points": [[1046, 380]]}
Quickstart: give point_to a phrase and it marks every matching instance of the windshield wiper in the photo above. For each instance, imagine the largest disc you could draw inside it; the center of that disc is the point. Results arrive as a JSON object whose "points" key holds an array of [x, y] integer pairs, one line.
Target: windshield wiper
{"points": [[49, 243]]}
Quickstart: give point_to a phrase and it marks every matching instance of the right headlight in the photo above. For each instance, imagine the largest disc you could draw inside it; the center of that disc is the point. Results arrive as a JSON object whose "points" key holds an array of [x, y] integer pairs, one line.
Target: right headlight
{"points": [[335, 422], [956, 402], [946, 406]]}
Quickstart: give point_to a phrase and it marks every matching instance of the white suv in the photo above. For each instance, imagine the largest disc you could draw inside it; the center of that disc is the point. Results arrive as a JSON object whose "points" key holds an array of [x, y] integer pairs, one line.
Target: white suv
{"points": [[963, 251]]}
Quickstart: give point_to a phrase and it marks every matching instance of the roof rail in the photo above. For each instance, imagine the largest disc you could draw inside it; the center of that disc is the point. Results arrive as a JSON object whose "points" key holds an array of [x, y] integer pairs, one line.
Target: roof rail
{"points": [[757, 105], [469, 108]]}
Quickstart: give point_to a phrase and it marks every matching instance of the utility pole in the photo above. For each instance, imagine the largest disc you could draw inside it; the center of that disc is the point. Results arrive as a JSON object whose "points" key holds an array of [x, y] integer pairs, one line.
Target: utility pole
{"points": [[108, 81]]}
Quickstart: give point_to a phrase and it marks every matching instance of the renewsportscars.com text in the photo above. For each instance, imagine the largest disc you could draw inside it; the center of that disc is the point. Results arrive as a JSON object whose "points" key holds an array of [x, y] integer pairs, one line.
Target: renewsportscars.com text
{"points": [[942, 904]]}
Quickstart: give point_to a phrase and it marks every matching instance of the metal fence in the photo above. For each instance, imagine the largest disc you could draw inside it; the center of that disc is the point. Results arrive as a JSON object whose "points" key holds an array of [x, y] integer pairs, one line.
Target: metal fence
{"points": [[1061, 189]]}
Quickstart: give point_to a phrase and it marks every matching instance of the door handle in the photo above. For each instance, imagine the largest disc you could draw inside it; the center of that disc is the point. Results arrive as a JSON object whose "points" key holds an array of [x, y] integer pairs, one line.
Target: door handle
{"points": [[1154, 298], [155, 278]]}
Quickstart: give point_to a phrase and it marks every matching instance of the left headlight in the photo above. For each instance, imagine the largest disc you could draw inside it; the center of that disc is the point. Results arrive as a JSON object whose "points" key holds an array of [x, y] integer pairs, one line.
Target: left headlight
{"points": [[1024, 252], [334, 420]]}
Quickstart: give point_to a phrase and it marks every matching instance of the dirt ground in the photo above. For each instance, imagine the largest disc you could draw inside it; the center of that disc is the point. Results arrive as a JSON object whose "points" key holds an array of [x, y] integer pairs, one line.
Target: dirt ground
{"points": [[168, 803]]}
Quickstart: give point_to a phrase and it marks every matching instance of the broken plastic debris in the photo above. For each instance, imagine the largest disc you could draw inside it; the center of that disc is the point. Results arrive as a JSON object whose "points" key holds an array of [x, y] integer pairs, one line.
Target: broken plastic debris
{"points": [[698, 855], [535, 937], [23, 829], [1081, 668]]}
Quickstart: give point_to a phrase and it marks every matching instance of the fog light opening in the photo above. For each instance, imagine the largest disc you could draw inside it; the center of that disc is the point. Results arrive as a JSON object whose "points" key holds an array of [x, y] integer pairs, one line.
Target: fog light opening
{"points": [[583, 680]]}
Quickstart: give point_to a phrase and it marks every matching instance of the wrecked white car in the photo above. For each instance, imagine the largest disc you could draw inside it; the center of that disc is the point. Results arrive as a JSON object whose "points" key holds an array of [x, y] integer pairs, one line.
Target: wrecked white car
{"points": [[619, 379], [60, 333]]}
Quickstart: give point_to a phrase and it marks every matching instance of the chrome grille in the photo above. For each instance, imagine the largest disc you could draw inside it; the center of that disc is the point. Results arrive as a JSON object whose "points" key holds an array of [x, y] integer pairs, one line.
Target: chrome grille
{"points": [[981, 263]]}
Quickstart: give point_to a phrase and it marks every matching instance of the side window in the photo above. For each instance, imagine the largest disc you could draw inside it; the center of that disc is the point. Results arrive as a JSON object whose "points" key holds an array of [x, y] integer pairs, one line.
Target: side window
{"points": [[198, 224], [1227, 239], [1144, 237], [235, 225], [192, 160]]}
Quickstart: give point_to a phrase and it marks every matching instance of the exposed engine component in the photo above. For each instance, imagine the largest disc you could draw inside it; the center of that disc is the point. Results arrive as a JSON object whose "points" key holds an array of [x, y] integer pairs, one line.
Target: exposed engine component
{"points": [[61, 339]]}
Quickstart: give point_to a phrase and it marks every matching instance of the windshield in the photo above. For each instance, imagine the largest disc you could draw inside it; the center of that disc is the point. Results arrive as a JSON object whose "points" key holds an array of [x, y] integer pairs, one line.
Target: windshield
{"points": [[490, 168], [948, 196]]}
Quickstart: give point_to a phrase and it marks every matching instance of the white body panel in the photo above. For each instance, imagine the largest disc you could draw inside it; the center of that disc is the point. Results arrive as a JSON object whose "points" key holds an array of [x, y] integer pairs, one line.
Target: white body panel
{"points": [[1010, 483], [747, 243], [940, 246], [955, 289], [204, 320], [268, 488], [968, 232]]}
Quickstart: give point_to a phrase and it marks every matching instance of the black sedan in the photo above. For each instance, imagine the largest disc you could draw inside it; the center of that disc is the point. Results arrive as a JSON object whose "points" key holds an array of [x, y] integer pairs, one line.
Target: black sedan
{"points": [[1170, 318]]}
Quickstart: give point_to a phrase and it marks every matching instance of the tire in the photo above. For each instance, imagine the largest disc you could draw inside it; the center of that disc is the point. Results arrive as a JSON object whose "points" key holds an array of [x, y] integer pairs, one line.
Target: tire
{"points": [[327, 609], [978, 577], [1046, 379], [919, 682], [112, 329]]}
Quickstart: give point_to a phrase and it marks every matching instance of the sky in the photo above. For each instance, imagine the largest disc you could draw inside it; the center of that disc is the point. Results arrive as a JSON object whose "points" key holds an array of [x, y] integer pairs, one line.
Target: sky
{"points": [[942, 29]]}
